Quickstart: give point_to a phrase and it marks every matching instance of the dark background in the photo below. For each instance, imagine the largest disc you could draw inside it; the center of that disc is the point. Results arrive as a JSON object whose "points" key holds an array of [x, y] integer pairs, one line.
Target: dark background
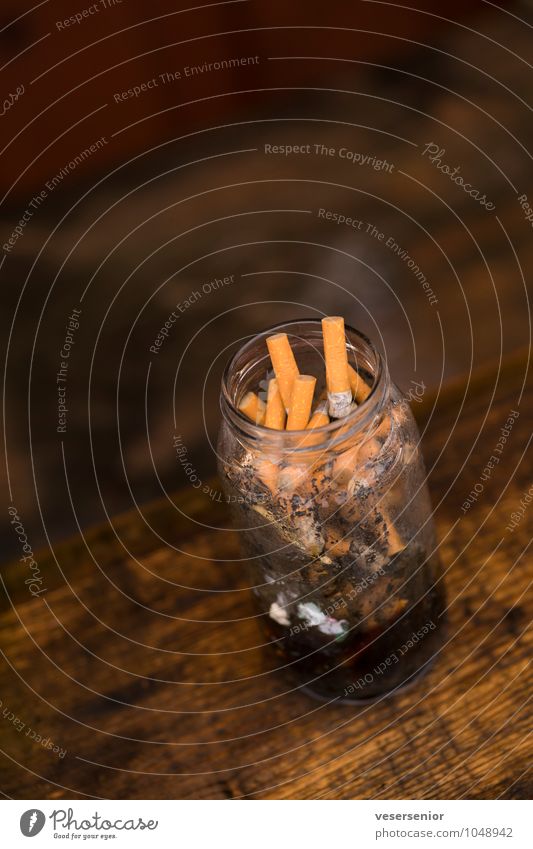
{"points": [[182, 192]]}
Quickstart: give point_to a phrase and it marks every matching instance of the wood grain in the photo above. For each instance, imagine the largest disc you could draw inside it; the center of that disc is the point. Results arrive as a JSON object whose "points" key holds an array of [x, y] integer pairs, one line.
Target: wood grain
{"points": [[146, 663]]}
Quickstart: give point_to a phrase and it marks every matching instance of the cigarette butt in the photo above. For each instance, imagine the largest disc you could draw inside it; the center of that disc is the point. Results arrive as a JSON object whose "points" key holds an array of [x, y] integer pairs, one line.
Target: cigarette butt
{"points": [[268, 473], [307, 535], [383, 543], [302, 393], [394, 540], [359, 389], [292, 478], [284, 364], [389, 536], [338, 383], [345, 467], [320, 416], [253, 408], [318, 419], [376, 606], [393, 608], [299, 525], [275, 410], [370, 449], [337, 546], [335, 354]]}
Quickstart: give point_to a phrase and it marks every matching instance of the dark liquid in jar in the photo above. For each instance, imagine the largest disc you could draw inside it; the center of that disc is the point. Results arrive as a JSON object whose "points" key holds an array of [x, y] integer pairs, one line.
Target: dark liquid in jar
{"points": [[392, 618]]}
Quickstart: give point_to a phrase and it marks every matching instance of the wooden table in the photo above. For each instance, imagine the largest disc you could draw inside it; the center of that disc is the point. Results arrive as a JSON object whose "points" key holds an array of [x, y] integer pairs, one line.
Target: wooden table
{"points": [[147, 666]]}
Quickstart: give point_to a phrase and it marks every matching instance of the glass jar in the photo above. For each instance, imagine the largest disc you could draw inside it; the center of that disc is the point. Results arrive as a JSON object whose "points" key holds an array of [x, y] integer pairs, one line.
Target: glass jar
{"points": [[336, 526]]}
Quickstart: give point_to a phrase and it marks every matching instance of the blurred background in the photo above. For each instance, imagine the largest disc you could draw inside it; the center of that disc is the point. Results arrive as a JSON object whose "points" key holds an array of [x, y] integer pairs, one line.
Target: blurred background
{"points": [[158, 159]]}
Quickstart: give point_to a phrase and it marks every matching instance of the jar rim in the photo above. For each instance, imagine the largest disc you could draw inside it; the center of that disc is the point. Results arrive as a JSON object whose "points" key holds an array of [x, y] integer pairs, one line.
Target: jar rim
{"points": [[359, 418]]}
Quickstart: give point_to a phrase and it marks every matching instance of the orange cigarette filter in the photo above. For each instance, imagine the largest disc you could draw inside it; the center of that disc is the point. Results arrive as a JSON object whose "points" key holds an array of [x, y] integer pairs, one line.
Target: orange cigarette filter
{"points": [[360, 390], [337, 381], [335, 354], [275, 410], [301, 400], [284, 365], [394, 541], [318, 419], [253, 408]]}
